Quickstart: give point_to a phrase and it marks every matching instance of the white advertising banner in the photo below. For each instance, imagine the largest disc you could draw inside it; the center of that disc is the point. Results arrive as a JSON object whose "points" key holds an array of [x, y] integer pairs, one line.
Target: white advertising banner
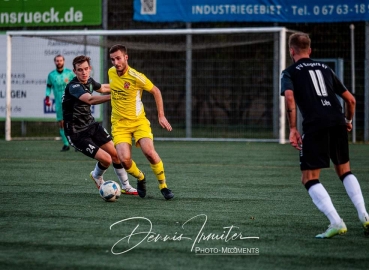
{"points": [[32, 61]]}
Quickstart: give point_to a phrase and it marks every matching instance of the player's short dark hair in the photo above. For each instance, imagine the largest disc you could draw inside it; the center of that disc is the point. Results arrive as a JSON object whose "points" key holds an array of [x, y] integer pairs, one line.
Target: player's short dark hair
{"points": [[80, 59], [59, 55], [118, 47], [299, 41]]}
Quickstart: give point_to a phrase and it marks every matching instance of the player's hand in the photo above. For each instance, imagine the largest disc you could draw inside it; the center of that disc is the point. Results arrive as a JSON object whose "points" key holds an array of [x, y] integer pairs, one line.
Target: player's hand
{"points": [[164, 123], [295, 139], [47, 101], [349, 126]]}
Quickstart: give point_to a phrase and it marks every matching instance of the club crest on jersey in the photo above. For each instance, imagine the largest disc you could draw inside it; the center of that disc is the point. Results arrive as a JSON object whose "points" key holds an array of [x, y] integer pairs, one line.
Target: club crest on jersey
{"points": [[66, 80], [126, 85]]}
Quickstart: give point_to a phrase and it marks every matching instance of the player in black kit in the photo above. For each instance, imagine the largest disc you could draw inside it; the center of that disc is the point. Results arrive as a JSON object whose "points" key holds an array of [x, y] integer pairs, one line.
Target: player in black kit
{"points": [[313, 86], [83, 132]]}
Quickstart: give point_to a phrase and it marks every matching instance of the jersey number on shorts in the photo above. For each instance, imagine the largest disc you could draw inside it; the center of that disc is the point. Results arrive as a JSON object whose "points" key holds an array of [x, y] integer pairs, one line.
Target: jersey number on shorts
{"points": [[91, 149], [318, 81]]}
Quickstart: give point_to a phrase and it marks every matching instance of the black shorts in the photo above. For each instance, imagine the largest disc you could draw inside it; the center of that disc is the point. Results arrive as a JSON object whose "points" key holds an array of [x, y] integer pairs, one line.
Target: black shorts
{"points": [[89, 141], [321, 146]]}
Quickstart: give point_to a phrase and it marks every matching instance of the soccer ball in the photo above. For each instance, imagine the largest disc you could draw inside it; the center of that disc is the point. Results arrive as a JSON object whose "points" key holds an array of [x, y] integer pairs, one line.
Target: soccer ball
{"points": [[110, 191]]}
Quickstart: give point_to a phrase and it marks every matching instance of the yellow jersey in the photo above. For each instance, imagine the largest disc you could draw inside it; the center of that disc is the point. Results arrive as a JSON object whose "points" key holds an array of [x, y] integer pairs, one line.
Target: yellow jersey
{"points": [[126, 93]]}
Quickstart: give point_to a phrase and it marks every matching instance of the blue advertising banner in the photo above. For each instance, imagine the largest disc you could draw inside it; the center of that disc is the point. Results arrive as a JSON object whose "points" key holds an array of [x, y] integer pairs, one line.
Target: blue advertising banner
{"points": [[288, 11]]}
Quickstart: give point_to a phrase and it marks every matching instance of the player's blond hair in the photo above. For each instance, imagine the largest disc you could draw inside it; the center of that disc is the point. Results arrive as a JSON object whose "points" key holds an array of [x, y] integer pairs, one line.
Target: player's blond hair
{"points": [[300, 42]]}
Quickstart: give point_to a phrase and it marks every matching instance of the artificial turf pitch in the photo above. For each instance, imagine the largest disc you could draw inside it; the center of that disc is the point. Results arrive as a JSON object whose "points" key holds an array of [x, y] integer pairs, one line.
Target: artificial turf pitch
{"points": [[52, 217]]}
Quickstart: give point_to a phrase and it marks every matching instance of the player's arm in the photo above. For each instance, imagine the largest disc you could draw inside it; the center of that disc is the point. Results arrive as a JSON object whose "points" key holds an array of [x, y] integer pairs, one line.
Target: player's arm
{"points": [[105, 88], [295, 137], [94, 100], [160, 107], [48, 91], [350, 108]]}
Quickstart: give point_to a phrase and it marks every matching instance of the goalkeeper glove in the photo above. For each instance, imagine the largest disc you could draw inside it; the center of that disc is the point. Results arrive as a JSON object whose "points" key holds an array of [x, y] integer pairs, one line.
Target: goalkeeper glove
{"points": [[47, 102]]}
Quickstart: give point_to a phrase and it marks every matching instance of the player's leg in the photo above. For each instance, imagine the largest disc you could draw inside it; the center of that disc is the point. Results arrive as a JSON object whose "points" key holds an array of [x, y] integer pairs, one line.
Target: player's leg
{"points": [[322, 200], [122, 138], [59, 118], [144, 138], [82, 141], [86, 143], [124, 153], [157, 166], [340, 158], [314, 156], [119, 169], [353, 190], [92, 141]]}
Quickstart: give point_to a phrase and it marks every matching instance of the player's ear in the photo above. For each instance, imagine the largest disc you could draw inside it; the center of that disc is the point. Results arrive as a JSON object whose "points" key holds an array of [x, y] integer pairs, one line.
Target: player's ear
{"points": [[309, 51], [292, 52]]}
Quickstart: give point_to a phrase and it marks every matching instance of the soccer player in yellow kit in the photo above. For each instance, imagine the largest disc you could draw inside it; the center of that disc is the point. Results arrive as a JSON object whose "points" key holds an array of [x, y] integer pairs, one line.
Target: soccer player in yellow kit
{"points": [[129, 119]]}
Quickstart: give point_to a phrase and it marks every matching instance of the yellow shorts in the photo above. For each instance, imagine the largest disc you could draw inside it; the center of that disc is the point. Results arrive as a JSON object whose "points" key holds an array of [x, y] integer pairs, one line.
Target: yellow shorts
{"points": [[124, 130]]}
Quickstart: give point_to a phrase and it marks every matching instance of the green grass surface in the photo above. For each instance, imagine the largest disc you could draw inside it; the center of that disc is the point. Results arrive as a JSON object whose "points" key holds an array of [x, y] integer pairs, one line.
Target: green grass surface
{"points": [[51, 215]]}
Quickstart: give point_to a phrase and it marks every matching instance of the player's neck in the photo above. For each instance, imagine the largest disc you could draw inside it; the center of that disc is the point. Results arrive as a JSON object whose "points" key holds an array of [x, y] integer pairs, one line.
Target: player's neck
{"points": [[120, 73], [83, 82], [300, 56]]}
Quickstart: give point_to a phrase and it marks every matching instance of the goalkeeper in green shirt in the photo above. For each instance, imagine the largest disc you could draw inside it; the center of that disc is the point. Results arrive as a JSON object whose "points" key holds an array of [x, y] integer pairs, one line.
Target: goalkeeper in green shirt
{"points": [[56, 82]]}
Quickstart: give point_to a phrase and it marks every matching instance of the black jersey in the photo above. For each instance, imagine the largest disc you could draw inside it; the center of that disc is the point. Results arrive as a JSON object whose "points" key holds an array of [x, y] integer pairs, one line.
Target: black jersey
{"points": [[314, 86], [76, 113]]}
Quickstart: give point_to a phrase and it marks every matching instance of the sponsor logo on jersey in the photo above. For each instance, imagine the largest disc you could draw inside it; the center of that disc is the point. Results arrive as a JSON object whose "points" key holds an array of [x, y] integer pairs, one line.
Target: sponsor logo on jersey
{"points": [[325, 102], [76, 85]]}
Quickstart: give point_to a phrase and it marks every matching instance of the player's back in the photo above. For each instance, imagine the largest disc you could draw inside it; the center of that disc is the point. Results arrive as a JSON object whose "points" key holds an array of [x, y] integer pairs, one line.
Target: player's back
{"points": [[315, 87]]}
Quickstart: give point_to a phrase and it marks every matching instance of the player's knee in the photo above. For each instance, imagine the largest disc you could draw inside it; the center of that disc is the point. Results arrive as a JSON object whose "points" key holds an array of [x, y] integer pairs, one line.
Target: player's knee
{"points": [[152, 156], [106, 160], [126, 162], [115, 158]]}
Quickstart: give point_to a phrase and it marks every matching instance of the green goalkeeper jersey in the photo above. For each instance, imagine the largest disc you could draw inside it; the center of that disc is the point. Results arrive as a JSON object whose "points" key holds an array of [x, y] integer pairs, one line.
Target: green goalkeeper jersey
{"points": [[56, 82]]}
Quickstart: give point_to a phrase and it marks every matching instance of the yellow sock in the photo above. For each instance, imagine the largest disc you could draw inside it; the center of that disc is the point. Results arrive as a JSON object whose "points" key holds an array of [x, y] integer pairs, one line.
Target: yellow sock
{"points": [[135, 172], [158, 170]]}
